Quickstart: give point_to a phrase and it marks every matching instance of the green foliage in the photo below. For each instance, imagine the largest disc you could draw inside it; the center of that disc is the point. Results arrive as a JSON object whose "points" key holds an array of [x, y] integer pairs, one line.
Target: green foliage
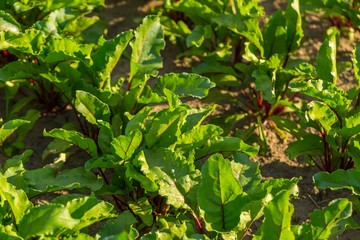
{"points": [[331, 114], [164, 170]]}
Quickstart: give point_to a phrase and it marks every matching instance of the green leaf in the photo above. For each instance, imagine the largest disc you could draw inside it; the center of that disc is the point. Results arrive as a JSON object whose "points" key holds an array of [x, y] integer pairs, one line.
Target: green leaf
{"points": [[17, 199], [137, 122], [143, 209], [184, 84], [323, 114], [325, 92], [325, 222], [91, 107], [89, 210], [198, 35], [149, 41], [165, 127], [174, 175], [293, 25], [219, 194], [122, 224], [326, 58], [9, 127], [47, 219], [339, 179], [125, 146], [356, 62], [76, 138], [46, 180], [247, 172], [8, 23], [310, 144], [277, 222], [219, 144], [107, 56]]}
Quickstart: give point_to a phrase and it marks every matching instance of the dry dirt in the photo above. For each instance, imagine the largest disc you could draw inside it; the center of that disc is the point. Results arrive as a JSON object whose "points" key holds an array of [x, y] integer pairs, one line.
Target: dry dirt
{"points": [[123, 15]]}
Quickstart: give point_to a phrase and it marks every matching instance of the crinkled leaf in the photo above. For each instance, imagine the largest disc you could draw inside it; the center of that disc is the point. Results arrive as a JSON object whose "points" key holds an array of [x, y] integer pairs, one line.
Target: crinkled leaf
{"points": [[325, 92], [174, 175], [277, 222], [219, 194], [165, 127], [46, 219], [356, 62], [326, 58], [149, 41], [339, 179], [323, 114], [107, 56], [17, 199], [76, 138], [125, 146], [184, 84], [91, 107]]}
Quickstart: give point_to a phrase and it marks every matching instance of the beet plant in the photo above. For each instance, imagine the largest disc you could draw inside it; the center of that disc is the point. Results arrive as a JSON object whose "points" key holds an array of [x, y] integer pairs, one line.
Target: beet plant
{"points": [[332, 114]]}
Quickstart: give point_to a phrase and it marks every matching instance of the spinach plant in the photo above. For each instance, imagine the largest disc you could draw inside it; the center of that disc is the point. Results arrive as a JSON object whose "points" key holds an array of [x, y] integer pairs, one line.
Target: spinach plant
{"points": [[332, 114]]}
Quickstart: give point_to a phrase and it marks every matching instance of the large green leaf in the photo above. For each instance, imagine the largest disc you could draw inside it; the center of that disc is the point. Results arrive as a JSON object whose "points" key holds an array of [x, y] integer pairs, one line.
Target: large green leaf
{"points": [[339, 179], [16, 198], [149, 41], [91, 107], [9, 127], [325, 223], [184, 84], [277, 222], [76, 138], [175, 175], [107, 56], [310, 144], [46, 219], [219, 194], [46, 180], [326, 58], [89, 210], [220, 144]]}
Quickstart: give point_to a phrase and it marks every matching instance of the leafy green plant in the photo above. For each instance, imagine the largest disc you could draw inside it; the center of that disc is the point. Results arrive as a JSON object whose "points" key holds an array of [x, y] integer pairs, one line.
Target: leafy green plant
{"points": [[342, 14], [62, 18], [255, 61], [332, 113]]}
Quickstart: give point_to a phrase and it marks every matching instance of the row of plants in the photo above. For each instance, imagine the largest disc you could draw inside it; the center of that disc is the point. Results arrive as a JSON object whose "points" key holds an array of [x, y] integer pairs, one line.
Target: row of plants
{"points": [[169, 173]]}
